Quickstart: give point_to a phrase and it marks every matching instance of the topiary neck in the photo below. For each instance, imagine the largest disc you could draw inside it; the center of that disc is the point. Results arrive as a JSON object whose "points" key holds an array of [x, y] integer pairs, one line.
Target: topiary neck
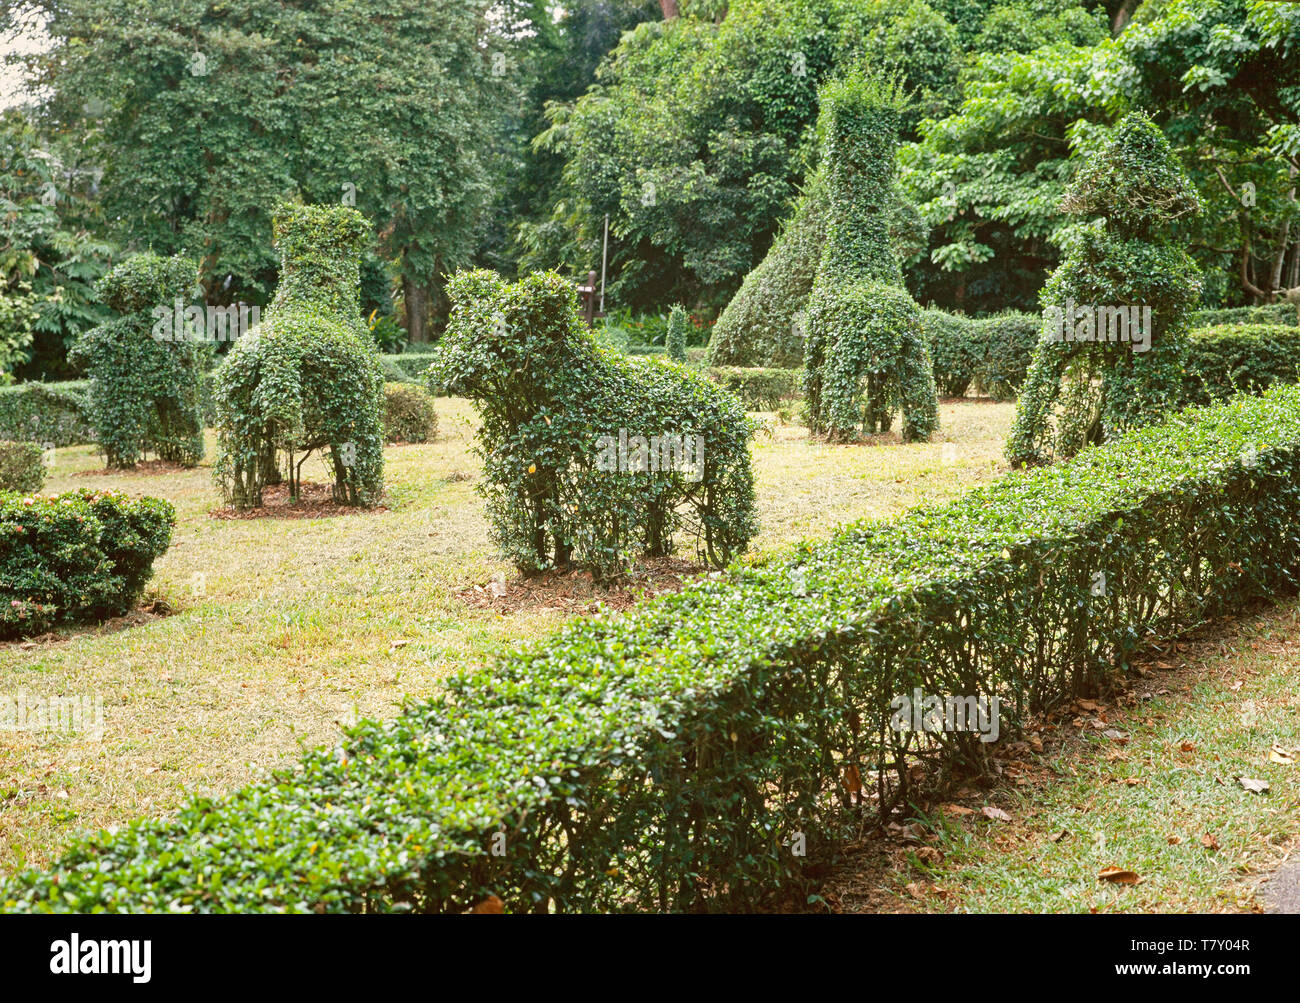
{"points": [[860, 154], [328, 281]]}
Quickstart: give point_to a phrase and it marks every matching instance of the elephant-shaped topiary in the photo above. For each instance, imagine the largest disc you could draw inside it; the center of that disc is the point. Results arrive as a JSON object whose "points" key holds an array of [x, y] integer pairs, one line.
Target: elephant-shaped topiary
{"points": [[590, 456], [308, 377], [144, 390]]}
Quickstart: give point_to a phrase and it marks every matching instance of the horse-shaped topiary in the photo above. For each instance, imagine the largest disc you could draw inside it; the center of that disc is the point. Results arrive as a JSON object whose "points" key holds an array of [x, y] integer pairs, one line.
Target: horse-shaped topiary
{"points": [[590, 457], [308, 377]]}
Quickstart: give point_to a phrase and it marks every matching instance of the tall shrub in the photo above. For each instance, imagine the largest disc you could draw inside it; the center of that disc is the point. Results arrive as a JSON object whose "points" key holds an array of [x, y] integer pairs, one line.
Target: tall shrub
{"points": [[675, 340], [144, 389], [866, 353], [1086, 384], [307, 378]]}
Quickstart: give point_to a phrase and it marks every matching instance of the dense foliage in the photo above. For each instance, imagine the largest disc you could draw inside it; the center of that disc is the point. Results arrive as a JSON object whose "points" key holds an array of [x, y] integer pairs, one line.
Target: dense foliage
{"points": [[307, 378], [1239, 358], [84, 555], [758, 388], [675, 338], [409, 414], [22, 466], [144, 381], [866, 353], [590, 456], [1091, 381], [53, 414], [670, 758]]}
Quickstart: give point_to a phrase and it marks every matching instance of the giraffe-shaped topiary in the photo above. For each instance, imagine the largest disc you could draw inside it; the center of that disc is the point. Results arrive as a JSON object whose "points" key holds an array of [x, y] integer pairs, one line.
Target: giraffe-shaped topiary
{"points": [[307, 378], [866, 352]]}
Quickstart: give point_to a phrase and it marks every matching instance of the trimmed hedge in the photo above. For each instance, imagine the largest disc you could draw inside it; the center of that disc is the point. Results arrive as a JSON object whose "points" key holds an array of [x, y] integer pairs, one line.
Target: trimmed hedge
{"points": [[53, 414], [84, 555], [1273, 313], [409, 414], [1239, 358], [666, 759], [22, 467], [991, 352], [759, 389], [413, 364]]}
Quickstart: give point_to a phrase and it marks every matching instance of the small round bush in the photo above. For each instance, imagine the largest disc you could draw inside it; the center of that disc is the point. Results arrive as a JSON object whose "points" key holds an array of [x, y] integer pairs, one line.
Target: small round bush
{"points": [[21, 467], [409, 414]]}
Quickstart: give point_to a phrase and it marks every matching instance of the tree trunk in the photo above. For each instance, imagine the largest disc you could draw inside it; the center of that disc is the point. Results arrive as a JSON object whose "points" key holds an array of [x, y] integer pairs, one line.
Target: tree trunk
{"points": [[1123, 16], [415, 299], [669, 8]]}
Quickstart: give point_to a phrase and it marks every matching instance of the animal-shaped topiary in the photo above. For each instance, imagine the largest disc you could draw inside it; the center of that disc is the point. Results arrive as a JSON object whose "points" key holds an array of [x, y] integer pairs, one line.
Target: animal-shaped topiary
{"points": [[308, 377], [144, 390], [1111, 350], [866, 352], [589, 456]]}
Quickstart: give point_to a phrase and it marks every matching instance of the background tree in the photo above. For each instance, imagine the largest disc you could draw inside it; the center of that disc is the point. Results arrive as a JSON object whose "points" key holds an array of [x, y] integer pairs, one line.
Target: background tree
{"points": [[200, 116]]}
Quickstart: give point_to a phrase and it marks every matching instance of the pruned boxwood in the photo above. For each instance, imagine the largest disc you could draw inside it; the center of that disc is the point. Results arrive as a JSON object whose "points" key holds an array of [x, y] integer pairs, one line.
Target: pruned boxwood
{"points": [[668, 758], [760, 389], [22, 466], [1239, 358], [53, 414], [84, 555], [1273, 313], [409, 414]]}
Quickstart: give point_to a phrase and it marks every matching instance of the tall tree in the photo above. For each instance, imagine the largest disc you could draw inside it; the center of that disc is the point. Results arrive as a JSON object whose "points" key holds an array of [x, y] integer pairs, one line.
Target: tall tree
{"points": [[201, 116]]}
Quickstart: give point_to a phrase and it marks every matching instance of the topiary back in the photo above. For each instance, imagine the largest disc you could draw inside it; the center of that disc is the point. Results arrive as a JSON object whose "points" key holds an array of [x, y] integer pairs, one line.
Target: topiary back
{"points": [[308, 378], [143, 394]]}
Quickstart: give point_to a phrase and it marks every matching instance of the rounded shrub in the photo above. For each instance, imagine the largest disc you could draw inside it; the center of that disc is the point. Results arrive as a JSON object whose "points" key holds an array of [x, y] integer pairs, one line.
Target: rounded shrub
{"points": [[409, 414], [144, 384], [21, 466], [85, 555], [307, 379]]}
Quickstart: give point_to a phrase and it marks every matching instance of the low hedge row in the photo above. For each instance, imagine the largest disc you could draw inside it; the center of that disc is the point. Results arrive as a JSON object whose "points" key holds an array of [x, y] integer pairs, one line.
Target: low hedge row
{"points": [[993, 353], [674, 757], [760, 389], [53, 414], [22, 466], [84, 555], [1273, 313], [413, 364], [1239, 358]]}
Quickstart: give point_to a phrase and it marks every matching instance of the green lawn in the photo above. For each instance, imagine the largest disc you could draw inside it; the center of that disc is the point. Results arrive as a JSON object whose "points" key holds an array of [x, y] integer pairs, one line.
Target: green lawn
{"points": [[284, 628], [1159, 797]]}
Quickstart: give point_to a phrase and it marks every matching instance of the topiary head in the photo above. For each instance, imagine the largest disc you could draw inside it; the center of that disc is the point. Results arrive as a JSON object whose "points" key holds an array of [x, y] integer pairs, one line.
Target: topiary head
{"points": [[320, 255], [509, 338], [1135, 181], [144, 281]]}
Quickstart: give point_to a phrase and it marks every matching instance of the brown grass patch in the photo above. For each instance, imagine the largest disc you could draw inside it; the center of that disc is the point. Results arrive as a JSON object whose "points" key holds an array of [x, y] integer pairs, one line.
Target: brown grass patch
{"points": [[314, 501]]}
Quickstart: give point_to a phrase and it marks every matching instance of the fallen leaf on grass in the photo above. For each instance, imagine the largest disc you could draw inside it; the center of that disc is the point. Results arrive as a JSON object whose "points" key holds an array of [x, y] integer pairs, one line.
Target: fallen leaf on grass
{"points": [[1254, 786], [957, 811], [995, 813], [1187, 747], [1209, 841], [1117, 875], [1174, 840], [1277, 754], [1063, 834]]}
